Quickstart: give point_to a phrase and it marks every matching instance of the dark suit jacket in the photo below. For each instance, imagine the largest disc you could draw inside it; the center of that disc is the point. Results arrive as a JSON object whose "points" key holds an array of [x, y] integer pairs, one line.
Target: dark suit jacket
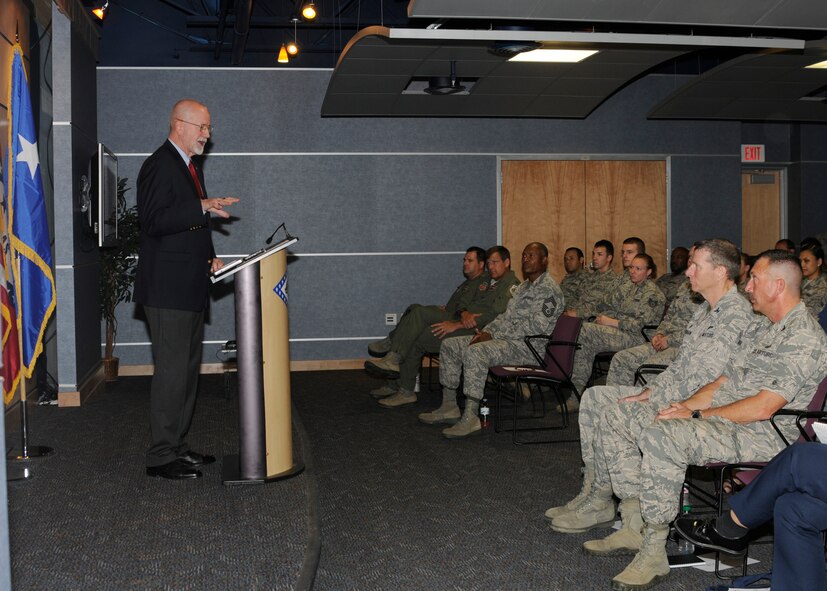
{"points": [[176, 242]]}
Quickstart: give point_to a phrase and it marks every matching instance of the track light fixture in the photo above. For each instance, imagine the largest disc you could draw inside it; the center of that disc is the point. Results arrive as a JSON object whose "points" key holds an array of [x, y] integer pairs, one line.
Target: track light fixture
{"points": [[100, 11], [309, 12]]}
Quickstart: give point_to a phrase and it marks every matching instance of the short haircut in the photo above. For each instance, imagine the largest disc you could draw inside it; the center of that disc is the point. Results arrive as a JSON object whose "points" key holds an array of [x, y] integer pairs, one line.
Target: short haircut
{"points": [[785, 263], [477, 251], [650, 262], [788, 244], [814, 246], [610, 248], [641, 245], [724, 253], [576, 250], [543, 248], [500, 250]]}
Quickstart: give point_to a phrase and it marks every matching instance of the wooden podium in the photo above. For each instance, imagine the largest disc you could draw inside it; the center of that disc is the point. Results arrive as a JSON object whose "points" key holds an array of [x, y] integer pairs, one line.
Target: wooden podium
{"points": [[265, 422]]}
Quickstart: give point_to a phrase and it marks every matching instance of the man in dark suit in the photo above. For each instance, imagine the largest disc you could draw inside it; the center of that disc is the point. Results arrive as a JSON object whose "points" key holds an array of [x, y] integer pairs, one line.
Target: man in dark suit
{"points": [[175, 259]]}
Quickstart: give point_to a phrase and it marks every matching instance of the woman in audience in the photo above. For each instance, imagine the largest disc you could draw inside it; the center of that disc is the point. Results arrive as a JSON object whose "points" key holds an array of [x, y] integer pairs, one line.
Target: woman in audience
{"points": [[814, 287]]}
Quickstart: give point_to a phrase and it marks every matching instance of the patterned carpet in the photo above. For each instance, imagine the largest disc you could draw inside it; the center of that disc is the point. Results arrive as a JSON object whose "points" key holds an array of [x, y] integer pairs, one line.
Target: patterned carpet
{"points": [[398, 507]]}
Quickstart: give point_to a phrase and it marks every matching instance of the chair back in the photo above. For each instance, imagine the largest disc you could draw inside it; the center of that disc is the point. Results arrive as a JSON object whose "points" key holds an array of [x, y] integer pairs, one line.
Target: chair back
{"points": [[816, 405], [559, 358]]}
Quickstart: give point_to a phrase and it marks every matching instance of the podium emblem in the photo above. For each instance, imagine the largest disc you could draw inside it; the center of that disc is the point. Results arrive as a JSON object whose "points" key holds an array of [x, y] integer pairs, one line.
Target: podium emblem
{"points": [[281, 289]]}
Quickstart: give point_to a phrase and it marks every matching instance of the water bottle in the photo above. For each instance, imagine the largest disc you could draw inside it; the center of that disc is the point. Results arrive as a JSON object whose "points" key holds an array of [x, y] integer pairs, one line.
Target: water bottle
{"points": [[484, 414], [684, 545], [416, 384]]}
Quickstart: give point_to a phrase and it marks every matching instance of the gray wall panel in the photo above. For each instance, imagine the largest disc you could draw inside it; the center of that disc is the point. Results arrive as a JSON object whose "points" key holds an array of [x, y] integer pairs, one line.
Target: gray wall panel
{"points": [[814, 202], [351, 203], [706, 199]]}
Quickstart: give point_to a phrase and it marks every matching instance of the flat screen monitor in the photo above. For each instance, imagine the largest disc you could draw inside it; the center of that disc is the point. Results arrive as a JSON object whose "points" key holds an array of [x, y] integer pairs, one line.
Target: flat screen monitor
{"points": [[103, 215]]}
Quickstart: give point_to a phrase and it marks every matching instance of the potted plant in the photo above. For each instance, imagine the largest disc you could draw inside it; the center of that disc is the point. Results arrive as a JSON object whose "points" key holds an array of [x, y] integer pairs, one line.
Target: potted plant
{"points": [[117, 276]]}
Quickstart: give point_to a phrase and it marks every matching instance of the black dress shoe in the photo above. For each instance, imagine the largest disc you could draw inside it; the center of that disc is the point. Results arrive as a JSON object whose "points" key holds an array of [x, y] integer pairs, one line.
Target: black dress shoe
{"points": [[193, 458], [705, 535], [175, 470]]}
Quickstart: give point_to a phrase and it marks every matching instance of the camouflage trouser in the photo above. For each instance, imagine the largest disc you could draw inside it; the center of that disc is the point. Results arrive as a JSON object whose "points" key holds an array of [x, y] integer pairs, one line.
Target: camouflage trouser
{"points": [[647, 459], [593, 339], [593, 405], [625, 362], [456, 357]]}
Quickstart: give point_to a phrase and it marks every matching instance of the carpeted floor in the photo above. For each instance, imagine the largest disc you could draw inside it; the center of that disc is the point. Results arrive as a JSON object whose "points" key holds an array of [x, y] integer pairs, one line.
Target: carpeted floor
{"points": [[398, 507]]}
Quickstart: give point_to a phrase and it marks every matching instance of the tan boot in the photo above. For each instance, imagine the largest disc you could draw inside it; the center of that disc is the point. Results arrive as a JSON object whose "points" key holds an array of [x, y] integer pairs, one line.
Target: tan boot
{"points": [[650, 565], [626, 540], [588, 480], [468, 425], [387, 367], [596, 510], [448, 412], [401, 398], [387, 390]]}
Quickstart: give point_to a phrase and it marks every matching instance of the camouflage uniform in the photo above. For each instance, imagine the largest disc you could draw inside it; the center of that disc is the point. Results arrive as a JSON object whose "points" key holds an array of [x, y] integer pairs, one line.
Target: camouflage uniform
{"points": [[490, 300], [533, 309], [649, 459], [670, 285], [573, 285], [625, 362], [597, 289], [634, 306], [814, 294], [417, 316], [708, 344]]}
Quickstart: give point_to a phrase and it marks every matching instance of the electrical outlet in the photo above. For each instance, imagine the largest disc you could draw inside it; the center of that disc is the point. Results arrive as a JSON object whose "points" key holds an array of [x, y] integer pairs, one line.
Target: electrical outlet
{"points": [[390, 319]]}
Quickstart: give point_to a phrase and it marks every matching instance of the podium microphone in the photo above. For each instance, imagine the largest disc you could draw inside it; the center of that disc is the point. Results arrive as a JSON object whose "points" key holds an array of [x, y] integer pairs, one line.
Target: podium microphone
{"points": [[280, 226]]}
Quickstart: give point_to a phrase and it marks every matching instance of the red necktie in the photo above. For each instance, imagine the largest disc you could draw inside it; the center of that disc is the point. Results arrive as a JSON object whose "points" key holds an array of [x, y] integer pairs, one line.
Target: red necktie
{"points": [[196, 181]]}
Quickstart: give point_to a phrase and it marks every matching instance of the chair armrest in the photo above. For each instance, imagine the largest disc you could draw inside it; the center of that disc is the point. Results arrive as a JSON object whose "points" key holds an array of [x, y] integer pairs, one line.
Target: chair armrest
{"points": [[800, 415], [645, 328], [549, 342]]}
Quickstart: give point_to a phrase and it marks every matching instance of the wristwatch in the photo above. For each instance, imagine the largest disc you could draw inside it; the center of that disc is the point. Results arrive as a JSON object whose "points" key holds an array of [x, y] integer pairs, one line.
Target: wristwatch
{"points": [[696, 414]]}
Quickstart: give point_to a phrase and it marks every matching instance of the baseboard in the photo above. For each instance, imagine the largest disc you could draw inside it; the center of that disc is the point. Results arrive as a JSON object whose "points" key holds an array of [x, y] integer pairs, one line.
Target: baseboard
{"points": [[91, 385], [213, 368]]}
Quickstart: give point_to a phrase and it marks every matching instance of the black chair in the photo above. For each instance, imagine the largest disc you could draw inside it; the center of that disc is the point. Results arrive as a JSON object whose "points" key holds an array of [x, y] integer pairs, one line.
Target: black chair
{"points": [[552, 373]]}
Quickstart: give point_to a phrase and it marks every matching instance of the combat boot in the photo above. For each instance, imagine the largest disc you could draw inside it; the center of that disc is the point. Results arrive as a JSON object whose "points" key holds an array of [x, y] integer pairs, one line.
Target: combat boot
{"points": [[468, 425], [588, 481], [401, 398], [387, 367], [626, 540], [650, 565], [387, 389], [380, 348], [448, 412], [596, 510]]}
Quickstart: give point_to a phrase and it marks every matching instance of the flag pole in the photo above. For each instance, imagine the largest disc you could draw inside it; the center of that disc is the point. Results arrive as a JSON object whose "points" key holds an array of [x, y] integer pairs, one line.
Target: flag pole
{"points": [[28, 452]]}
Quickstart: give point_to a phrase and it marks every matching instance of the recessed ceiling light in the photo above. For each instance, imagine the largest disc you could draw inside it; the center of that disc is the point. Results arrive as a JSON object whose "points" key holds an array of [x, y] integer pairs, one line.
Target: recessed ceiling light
{"points": [[554, 55], [822, 65]]}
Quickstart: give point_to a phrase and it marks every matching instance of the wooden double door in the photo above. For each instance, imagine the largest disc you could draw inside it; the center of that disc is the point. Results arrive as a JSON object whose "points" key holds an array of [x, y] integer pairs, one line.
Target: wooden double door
{"points": [[564, 203]]}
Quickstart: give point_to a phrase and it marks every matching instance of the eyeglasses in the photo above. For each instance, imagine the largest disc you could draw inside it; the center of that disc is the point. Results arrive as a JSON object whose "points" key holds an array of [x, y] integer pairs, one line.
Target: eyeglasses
{"points": [[203, 127]]}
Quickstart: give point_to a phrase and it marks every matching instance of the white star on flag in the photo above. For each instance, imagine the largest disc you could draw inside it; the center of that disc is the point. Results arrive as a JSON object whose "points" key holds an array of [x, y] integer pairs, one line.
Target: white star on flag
{"points": [[28, 154]]}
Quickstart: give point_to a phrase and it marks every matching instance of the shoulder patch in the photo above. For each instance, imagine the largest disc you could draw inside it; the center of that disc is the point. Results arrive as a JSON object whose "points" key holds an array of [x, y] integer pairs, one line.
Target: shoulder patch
{"points": [[653, 302], [483, 286], [513, 289], [549, 305]]}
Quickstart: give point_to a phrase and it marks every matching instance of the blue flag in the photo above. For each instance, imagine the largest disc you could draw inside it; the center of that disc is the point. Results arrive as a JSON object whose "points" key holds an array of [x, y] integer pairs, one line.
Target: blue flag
{"points": [[29, 228]]}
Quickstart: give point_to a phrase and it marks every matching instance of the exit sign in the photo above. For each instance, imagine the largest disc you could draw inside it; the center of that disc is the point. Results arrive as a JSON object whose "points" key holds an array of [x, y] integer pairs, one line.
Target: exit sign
{"points": [[752, 152]]}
